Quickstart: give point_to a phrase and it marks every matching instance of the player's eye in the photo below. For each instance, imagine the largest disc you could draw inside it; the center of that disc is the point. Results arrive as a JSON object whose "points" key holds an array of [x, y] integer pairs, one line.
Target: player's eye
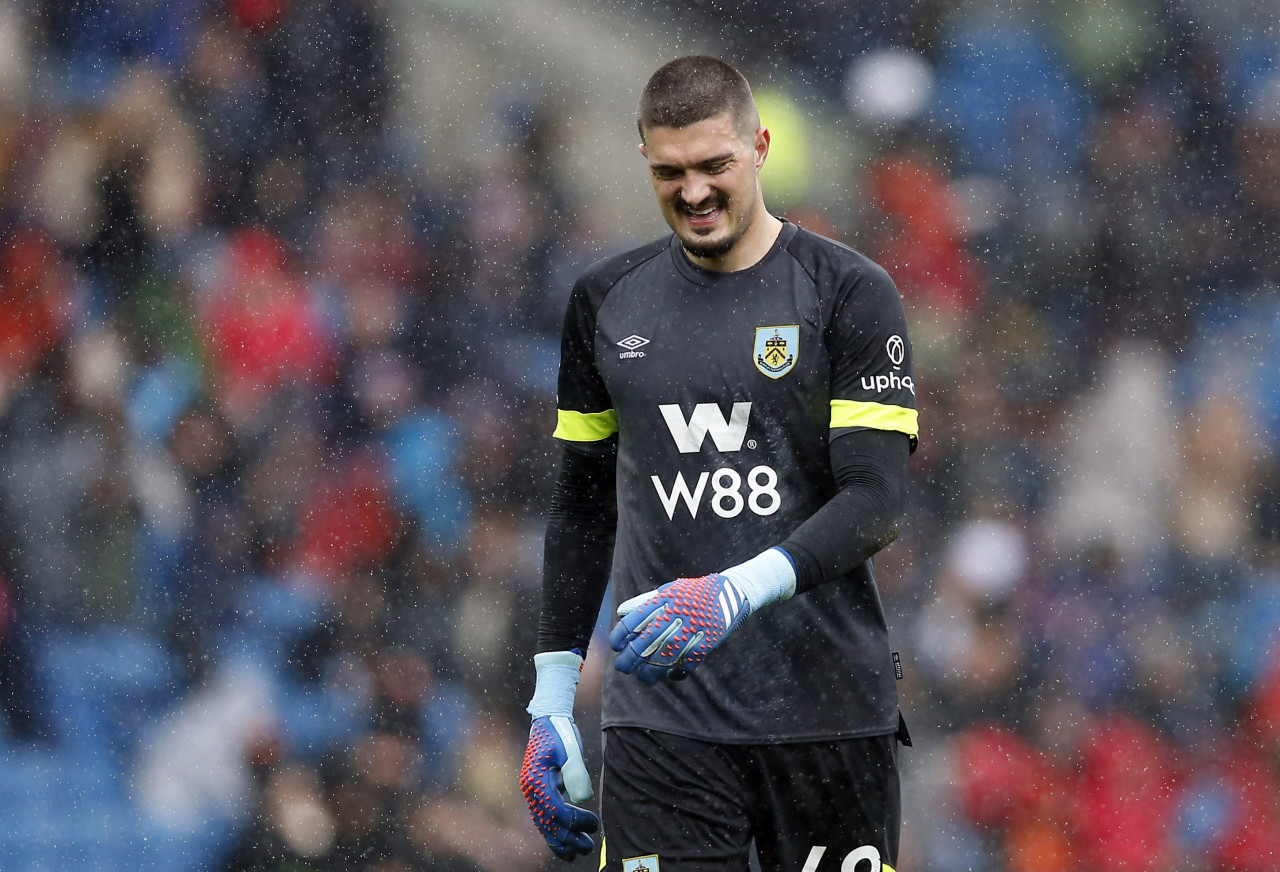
{"points": [[665, 174]]}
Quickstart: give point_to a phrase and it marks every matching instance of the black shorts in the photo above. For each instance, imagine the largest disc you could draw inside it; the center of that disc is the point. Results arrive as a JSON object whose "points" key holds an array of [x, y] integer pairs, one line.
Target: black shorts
{"points": [[672, 804]]}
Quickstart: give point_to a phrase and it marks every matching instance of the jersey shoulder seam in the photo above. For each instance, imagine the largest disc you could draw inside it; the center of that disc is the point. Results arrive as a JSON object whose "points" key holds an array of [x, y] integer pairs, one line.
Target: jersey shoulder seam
{"points": [[606, 274], [844, 257]]}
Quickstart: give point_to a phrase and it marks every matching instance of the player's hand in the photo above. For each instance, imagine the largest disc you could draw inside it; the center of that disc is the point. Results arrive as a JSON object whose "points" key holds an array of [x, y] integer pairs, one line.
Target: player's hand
{"points": [[553, 770], [669, 632], [554, 776]]}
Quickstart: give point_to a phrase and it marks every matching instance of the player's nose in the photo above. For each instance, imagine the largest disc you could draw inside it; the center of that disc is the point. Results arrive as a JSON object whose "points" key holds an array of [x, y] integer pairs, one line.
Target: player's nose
{"points": [[695, 191]]}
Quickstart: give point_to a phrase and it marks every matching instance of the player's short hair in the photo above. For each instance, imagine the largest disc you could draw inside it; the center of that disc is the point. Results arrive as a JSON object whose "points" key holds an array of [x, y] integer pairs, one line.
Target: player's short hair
{"points": [[695, 88]]}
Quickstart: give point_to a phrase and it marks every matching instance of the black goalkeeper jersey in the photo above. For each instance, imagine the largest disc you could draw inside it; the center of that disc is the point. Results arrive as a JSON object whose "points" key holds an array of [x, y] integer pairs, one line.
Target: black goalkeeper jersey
{"points": [[723, 390]]}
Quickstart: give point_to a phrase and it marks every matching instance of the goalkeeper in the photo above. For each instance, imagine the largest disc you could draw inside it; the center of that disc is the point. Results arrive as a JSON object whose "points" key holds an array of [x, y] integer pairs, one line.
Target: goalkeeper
{"points": [[736, 407]]}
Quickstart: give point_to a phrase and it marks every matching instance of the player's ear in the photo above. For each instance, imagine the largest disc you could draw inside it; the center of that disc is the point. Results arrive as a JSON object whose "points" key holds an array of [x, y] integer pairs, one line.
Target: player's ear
{"points": [[644, 152], [760, 146]]}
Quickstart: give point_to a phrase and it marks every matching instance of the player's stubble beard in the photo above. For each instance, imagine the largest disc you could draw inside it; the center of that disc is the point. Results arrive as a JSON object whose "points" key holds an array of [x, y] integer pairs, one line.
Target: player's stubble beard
{"points": [[715, 248]]}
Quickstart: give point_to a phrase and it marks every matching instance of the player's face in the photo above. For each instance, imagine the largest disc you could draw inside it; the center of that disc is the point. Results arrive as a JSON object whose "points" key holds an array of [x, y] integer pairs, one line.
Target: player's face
{"points": [[706, 177]]}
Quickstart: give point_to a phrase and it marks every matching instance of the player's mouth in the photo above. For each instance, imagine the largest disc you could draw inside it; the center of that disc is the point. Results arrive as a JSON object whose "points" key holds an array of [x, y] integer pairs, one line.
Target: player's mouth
{"points": [[703, 216]]}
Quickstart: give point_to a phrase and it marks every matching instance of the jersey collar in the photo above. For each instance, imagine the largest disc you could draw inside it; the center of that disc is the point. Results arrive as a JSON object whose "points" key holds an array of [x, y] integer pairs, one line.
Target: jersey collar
{"points": [[710, 278]]}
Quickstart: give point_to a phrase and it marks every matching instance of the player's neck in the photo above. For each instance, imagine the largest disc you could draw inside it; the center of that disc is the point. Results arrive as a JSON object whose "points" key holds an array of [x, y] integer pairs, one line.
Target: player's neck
{"points": [[749, 251]]}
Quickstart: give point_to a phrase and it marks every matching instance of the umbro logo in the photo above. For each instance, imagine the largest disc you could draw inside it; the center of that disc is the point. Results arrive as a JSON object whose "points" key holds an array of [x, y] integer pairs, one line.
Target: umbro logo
{"points": [[632, 344]]}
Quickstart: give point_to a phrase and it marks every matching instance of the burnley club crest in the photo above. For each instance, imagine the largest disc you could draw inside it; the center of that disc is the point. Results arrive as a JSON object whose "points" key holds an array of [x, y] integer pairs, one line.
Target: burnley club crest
{"points": [[776, 349]]}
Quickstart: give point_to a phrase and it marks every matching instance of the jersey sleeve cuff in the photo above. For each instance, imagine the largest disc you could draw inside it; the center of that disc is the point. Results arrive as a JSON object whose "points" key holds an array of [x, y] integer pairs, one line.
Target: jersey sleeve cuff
{"points": [[808, 570]]}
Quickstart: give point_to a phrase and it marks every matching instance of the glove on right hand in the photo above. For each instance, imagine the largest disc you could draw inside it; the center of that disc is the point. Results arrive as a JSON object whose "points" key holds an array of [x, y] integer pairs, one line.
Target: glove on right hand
{"points": [[553, 767]]}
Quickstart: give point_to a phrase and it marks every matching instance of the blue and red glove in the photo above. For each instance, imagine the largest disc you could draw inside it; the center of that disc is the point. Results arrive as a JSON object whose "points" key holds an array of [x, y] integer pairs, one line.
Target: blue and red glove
{"points": [[668, 632], [554, 775]]}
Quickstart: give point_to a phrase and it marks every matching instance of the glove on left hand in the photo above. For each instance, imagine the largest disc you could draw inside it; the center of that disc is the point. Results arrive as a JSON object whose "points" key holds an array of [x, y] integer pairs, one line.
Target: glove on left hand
{"points": [[677, 625], [670, 631]]}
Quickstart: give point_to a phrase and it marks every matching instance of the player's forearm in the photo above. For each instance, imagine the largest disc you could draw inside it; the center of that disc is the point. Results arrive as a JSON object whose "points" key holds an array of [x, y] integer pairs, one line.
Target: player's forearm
{"points": [[863, 517], [579, 548]]}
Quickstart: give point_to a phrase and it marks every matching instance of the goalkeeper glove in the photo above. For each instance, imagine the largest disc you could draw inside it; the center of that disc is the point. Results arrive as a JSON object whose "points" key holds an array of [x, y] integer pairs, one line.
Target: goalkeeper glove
{"points": [[553, 765], [668, 632]]}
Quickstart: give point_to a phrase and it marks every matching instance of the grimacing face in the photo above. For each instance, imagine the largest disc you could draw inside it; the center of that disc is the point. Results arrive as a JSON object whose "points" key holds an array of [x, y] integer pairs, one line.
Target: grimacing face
{"points": [[706, 178]]}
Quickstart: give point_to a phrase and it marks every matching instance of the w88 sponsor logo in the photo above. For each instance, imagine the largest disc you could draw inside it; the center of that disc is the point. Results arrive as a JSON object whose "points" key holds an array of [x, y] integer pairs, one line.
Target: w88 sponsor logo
{"points": [[730, 494], [726, 498]]}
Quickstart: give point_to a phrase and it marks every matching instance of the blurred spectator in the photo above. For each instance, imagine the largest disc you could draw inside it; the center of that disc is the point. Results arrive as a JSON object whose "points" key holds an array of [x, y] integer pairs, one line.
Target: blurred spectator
{"points": [[1257, 144], [1136, 253], [968, 635], [19, 693], [263, 331], [1118, 457], [923, 246], [293, 828], [1125, 810], [35, 305]]}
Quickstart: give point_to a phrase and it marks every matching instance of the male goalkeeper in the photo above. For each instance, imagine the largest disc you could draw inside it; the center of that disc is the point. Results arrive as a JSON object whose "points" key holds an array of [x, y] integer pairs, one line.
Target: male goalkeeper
{"points": [[736, 408]]}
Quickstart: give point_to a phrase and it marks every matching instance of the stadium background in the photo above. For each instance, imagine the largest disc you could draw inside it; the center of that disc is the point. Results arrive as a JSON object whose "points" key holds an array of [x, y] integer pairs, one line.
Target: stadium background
{"points": [[280, 288]]}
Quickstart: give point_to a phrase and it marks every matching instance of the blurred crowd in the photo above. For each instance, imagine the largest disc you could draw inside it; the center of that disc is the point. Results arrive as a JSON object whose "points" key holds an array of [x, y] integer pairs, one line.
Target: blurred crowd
{"points": [[275, 403]]}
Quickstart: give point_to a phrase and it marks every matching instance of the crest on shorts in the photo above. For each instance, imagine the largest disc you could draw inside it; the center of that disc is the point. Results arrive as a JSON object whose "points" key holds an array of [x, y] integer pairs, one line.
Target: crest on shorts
{"points": [[648, 863], [776, 349]]}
